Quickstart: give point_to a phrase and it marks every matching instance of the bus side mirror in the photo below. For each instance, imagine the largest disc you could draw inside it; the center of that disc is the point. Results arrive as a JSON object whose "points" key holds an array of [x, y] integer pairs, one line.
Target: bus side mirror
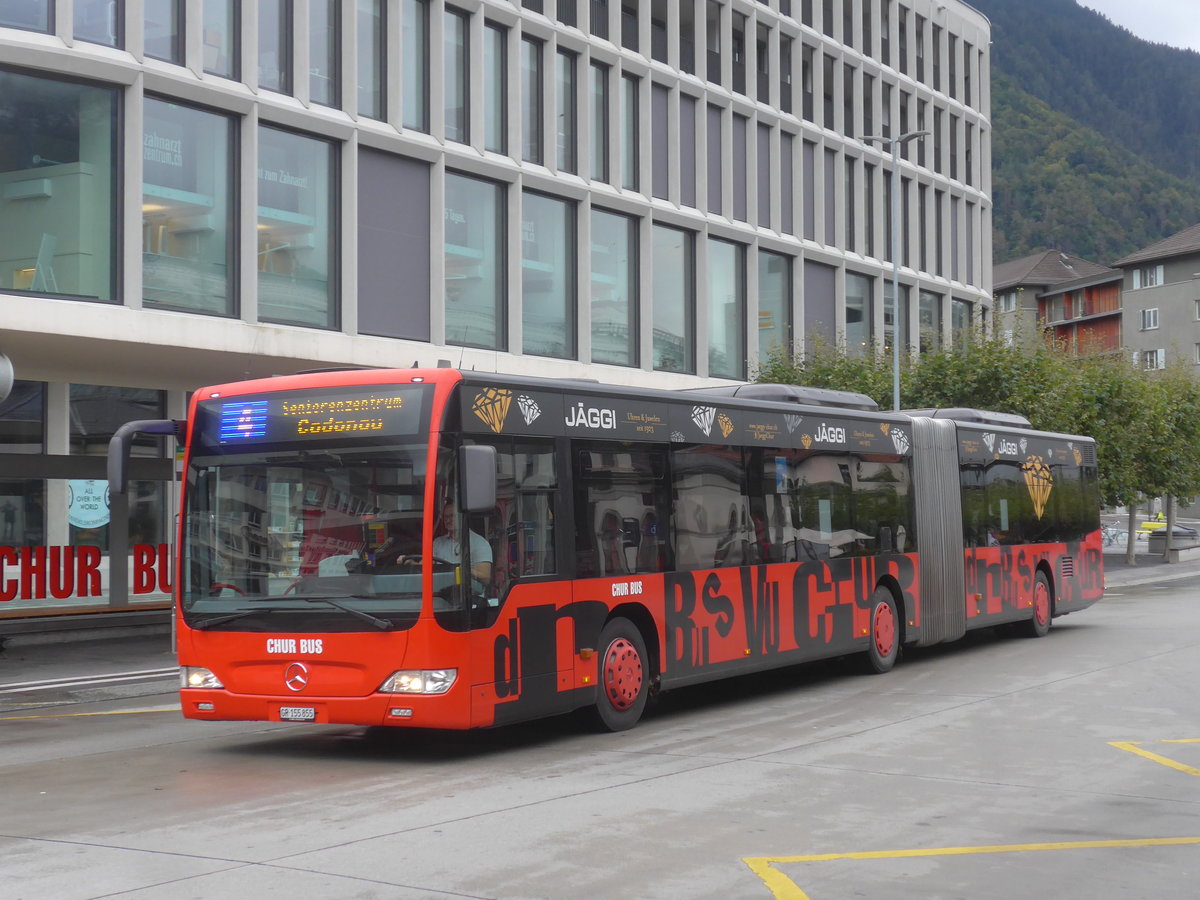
{"points": [[118, 447], [477, 477]]}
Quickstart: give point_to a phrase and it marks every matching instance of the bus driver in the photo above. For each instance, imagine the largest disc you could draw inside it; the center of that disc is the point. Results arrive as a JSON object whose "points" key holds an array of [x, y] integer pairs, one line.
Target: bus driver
{"points": [[447, 549]]}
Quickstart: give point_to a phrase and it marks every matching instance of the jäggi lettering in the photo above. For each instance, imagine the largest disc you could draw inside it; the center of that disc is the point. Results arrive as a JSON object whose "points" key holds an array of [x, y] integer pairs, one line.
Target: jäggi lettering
{"points": [[581, 416]]}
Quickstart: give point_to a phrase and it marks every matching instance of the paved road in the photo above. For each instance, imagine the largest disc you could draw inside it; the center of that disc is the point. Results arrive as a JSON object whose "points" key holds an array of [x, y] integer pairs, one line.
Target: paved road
{"points": [[1064, 766]]}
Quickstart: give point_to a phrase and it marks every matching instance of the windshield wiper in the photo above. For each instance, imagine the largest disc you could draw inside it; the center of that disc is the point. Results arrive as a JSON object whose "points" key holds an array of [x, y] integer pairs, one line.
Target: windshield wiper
{"points": [[239, 614], [381, 624]]}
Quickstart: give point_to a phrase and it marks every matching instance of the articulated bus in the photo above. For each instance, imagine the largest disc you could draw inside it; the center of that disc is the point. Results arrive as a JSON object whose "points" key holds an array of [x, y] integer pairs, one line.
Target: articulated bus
{"points": [[433, 548]]}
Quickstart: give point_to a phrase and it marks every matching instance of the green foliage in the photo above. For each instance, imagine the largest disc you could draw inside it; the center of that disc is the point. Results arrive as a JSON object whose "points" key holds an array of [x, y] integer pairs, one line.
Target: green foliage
{"points": [[1146, 424]]}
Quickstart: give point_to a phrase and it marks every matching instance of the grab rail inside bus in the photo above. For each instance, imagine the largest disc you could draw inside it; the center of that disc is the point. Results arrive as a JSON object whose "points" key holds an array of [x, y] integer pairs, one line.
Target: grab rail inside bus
{"points": [[122, 439]]}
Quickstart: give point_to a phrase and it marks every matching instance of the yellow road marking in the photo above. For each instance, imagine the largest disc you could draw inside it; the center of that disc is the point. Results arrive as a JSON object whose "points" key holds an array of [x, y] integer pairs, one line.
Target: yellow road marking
{"points": [[783, 888], [125, 712], [1135, 748]]}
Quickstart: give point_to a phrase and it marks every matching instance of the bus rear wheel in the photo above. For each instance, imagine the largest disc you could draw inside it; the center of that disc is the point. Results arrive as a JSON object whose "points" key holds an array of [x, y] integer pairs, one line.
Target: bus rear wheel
{"points": [[884, 646], [1043, 609], [623, 676]]}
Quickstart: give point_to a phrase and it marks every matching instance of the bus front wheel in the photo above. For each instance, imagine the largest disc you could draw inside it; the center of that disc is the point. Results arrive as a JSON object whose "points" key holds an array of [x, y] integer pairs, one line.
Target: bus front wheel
{"points": [[884, 645], [623, 676]]}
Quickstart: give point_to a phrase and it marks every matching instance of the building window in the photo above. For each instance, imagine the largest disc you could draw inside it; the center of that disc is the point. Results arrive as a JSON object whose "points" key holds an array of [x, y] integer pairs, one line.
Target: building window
{"points": [[275, 45], [687, 150], [726, 309], [1196, 310], [296, 229], [960, 321], [1149, 319], [1147, 276], [785, 74], [457, 75], [687, 37], [221, 38], [614, 289], [674, 299], [164, 30], [712, 33], [98, 21], [495, 93], [1154, 359], [567, 154], [890, 313], [57, 176], [414, 34], [567, 13], [737, 45], [32, 15], [774, 303], [660, 127], [716, 168], [658, 31], [323, 52], [531, 100], [629, 26], [23, 417], [187, 208], [630, 142], [929, 320], [599, 18], [765, 191], [762, 64], [859, 315], [372, 71], [474, 263], [599, 122], [547, 276]]}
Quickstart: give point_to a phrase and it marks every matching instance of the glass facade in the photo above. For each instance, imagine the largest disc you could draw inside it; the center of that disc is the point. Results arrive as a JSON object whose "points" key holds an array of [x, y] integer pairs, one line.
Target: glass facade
{"points": [[324, 45], [474, 263], [98, 21], [566, 112], [221, 38], [531, 100], [726, 309], [774, 303], [372, 71], [275, 45], [599, 93], [296, 229], [33, 15], [859, 314], [674, 293], [457, 75], [630, 140], [187, 208], [495, 100], [57, 167], [548, 276], [414, 36], [614, 289], [164, 30]]}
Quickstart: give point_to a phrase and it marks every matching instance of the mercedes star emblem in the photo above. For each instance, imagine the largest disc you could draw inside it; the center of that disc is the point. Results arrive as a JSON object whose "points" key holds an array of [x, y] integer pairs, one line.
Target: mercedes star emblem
{"points": [[296, 676]]}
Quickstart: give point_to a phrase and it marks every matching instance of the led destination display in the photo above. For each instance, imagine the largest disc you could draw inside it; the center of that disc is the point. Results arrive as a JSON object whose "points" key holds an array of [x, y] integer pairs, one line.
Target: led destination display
{"points": [[301, 416]]}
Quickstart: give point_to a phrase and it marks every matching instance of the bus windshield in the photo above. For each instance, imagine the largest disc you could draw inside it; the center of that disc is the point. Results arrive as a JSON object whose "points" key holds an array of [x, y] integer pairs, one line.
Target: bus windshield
{"points": [[307, 539]]}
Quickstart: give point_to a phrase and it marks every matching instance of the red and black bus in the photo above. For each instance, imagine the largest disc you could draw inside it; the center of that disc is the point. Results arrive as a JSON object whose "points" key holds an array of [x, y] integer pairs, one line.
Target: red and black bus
{"points": [[446, 549]]}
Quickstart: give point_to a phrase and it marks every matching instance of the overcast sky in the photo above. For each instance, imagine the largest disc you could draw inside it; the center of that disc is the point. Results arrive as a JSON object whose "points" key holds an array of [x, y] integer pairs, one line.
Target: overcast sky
{"points": [[1174, 22]]}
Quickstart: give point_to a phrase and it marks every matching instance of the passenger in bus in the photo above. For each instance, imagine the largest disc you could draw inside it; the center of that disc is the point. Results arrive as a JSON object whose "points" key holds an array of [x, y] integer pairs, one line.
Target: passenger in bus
{"points": [[446, 546]]}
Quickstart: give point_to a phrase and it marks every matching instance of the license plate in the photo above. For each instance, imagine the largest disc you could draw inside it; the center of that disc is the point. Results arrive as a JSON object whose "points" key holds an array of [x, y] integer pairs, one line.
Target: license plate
{"points": [[298, 713]]}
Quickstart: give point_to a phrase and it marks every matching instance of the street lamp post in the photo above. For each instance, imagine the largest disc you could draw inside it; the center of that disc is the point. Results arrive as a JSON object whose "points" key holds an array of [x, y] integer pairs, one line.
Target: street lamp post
{"points": [[895, 143]]}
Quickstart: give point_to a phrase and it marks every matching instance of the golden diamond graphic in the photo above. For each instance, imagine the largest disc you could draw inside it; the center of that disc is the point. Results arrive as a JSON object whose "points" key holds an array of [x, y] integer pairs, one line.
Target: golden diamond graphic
{"points": [[884, 427], [492, 405], [1078, 456], [806, 440], [726, 424], [1039, 481]]}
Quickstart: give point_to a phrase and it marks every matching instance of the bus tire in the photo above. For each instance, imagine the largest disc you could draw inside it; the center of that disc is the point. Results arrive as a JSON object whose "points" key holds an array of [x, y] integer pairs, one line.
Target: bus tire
{"points": [[883, 647], [1038, 625], [622, 676]]}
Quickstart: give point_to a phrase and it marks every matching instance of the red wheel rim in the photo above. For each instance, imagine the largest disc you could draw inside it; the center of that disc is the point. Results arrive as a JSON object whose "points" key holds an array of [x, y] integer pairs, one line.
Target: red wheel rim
{"points": [[884, 629], [622, 674], [1041, 603]]}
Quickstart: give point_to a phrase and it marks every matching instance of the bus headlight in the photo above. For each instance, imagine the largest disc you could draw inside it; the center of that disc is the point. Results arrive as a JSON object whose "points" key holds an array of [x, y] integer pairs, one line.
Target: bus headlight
{"points": [[198, 677], [425, 681]]}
